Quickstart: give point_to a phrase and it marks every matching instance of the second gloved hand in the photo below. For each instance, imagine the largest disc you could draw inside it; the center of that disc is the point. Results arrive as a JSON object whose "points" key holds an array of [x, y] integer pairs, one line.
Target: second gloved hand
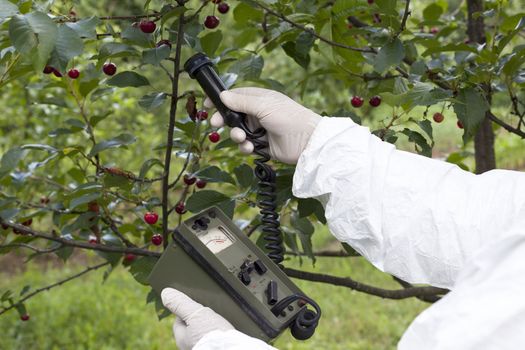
{"points": [[193, 321], [289, 125]]}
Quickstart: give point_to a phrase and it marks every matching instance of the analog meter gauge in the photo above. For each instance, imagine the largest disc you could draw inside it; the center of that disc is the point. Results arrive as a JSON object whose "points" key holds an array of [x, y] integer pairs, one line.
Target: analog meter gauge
{"points": [[216, 239]]}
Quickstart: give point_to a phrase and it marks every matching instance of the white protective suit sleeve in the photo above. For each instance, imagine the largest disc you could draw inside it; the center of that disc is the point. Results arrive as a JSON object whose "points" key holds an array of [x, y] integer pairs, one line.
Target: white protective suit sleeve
{"points": [[230, 340], [426, 221]]}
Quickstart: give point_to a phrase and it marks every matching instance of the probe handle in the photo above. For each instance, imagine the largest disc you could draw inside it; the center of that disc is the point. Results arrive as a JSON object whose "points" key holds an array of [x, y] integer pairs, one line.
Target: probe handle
{"points": [[200, 68]]}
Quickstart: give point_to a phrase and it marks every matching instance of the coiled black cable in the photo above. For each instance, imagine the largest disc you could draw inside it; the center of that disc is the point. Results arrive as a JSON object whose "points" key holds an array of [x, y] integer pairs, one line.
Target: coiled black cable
{"points": [[304, 324], [266, 201]]}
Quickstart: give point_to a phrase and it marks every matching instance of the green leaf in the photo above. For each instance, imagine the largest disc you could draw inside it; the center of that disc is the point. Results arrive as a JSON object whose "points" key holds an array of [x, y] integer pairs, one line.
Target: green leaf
{"points": [[10, 160], [424, 94], [86, 28], [128, 78], [120, 140], [153, 100], [249, 67], [34, 36], [110, 50], [245, 175], [210, 42], [389, 55], [305, 230], [7, 9], [84, 199], [141, 268], [147, 165], [300, 49], [214, 174], [206, 198], [156, 55], [351, 251], [310, 206], [432, 12], [422, 147], [471, 108], [68, 45]]}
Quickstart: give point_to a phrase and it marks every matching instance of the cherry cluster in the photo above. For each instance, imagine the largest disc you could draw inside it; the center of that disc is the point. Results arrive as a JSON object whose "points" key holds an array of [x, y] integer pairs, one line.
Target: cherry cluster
{"points": [[212, 21], [357, 101], [110, 68]]}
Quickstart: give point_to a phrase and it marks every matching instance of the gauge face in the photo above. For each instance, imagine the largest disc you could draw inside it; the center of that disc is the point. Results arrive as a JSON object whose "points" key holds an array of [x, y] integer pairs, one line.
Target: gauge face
{"points": [[216, 239]]}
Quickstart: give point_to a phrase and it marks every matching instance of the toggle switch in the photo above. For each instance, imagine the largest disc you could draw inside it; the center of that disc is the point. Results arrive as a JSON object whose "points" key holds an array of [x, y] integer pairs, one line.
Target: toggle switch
{"points": [[271, 292]]}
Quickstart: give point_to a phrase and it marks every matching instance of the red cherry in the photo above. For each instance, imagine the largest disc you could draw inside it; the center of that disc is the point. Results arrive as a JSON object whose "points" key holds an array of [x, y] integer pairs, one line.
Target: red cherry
{"points": [[357, 101], [370, 2], [202, 115], [214, 136], [164, 42], [375, 101], [24, 317], [350, 25], [180, 208], [201, 183], [48, 70], [57, 73], [94, 241], [189, 180], [438, 117], [211, 22], [223, 7], [147, 26], [73, 73], [151, 218], [28, 222], [129, 257], [109, 68], [156, 239], [5, 226], [434, 30], [460, 124]]}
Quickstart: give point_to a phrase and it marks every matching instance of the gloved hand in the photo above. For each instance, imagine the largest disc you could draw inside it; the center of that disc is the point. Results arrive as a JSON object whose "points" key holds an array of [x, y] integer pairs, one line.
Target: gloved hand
{"points": [[288, 124], [193, 320]]}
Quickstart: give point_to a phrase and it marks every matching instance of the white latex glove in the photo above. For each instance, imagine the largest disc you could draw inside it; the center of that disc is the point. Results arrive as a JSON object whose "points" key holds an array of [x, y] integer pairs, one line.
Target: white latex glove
{"points": [[193, 321], [289, 125]]}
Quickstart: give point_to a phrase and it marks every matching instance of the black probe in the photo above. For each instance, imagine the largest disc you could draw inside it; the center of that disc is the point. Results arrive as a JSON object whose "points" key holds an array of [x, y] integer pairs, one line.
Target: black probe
{"points": [[200, 67]]}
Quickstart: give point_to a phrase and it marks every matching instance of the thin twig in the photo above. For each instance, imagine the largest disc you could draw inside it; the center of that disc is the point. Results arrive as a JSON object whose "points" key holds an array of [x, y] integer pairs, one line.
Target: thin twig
{"points": [[28, 246], [311, 31], [405, 18], [56, 284]]}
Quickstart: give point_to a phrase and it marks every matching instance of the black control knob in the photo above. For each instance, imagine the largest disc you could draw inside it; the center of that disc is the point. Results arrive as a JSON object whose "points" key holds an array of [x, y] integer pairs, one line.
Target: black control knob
{"points": [[260, 267], [245, 277]]}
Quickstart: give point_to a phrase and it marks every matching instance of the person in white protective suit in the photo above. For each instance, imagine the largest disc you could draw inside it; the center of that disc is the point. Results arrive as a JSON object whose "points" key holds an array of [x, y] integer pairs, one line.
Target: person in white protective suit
{"points": [[422, 220]]}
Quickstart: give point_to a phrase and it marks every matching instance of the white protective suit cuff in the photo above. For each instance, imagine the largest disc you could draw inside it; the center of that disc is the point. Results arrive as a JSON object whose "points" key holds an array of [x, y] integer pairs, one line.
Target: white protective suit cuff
{"points": [[231, 340]]}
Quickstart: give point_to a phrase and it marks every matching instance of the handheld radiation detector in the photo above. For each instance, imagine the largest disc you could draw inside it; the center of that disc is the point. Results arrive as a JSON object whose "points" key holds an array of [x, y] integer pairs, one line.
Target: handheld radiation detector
{"points": [[216, 264]]}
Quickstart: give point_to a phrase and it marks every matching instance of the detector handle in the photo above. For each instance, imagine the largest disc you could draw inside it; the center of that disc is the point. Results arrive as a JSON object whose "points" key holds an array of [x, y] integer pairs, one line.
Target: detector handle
{"points": [[200, 68]]}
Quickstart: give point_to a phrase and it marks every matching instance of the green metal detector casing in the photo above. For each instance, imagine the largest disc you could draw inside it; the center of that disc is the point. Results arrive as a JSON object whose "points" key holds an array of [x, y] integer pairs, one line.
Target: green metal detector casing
{"points": [[215, 263]]}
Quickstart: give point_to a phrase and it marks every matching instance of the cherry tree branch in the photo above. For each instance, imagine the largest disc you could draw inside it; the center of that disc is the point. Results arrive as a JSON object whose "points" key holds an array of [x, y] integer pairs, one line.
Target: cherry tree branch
{"points": [[171, 127], [56, 284], [83, 245], [506, 126], [364, 288]]}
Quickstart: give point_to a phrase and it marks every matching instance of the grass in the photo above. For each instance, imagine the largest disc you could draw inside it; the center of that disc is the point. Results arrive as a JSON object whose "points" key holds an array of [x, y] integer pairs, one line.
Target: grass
{"points": [[89, 314]]}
